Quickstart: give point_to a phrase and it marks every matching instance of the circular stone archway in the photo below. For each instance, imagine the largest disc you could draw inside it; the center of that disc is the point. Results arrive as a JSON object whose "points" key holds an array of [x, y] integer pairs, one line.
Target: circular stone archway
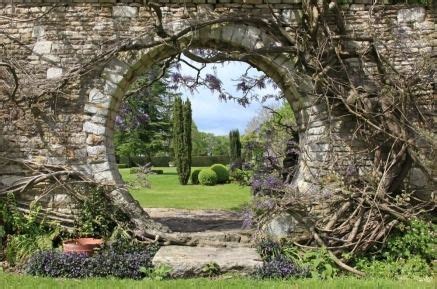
{"points": [[110, 85]]}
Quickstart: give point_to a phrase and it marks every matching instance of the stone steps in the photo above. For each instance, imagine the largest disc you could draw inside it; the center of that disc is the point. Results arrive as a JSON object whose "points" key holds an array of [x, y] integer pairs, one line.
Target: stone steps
{"points": [[194, 261], [219, 238]]}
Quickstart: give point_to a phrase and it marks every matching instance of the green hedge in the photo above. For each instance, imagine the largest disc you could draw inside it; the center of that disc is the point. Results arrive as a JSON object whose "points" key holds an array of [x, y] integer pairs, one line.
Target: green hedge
{"points": [[207, 161], [161, 161], [196, 161]]}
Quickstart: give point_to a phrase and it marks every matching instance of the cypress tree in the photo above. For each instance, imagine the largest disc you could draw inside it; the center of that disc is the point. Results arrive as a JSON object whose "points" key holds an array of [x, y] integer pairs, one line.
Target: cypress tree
{"points": [[235, 148], [186, 166], [178, 137], [182, 139]]}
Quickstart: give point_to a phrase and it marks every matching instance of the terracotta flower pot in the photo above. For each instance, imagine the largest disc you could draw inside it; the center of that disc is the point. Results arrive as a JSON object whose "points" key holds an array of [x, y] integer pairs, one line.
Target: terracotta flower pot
{"points": [[82, 245]]}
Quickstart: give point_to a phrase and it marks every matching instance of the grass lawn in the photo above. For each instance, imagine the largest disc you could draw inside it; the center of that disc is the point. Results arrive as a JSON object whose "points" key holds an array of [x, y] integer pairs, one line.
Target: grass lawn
{"points": [[166, 192], [8, 281]]}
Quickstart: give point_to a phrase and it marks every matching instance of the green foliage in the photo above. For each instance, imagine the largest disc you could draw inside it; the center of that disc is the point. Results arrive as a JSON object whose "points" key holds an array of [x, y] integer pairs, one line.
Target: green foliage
{"points": [[182, 139], [208, 144], [21, 247], [416, 239], [240, 176], [162, 161], [319, 263], [95, 216], [207, 177], [235, 148], [145, 136], [409, 252], [157, 273], [26, 233], [195, 177], [187, 145], [272, 130], [211, 269], [207, 161], [394, 268], [222, 173], [196, 160]]}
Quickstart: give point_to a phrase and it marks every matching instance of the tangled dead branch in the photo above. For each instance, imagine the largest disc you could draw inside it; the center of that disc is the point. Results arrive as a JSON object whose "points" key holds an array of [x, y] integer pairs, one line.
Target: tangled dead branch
{"points": [[392, 115]]}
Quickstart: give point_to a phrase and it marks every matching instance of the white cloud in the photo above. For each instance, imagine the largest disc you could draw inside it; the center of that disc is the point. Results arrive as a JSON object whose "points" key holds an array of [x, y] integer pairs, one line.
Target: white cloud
{"points": [[219, 117]]}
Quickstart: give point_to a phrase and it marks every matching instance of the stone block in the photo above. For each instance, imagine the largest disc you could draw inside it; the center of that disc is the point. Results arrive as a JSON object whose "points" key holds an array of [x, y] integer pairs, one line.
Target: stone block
{"points": [[42, 47], [416, 14], [124, 11], [54, 73], [38, 32], [93, 128], [96, 150], [190, 261], [96, 96], [281, 227]]}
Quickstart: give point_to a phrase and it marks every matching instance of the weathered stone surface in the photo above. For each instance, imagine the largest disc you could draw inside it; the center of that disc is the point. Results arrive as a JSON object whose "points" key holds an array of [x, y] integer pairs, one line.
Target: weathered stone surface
{"points": [[281, 227], [416, 14], [42, 47], [70, 36], [124, 11], [189, 261], [54, 72]]}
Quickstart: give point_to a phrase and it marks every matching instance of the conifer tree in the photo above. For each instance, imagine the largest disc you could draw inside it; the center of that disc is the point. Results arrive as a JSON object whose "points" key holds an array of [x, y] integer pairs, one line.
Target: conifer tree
{"points": [[182, 139], [235, 148], [186, 164], [178, 131]]}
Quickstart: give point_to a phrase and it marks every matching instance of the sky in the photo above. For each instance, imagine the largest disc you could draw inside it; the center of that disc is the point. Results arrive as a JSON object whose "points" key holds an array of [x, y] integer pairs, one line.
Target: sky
{"points": [[219, 117]]}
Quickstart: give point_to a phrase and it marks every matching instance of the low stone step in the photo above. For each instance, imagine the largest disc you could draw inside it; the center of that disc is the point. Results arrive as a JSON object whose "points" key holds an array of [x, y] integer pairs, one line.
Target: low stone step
{"points": [[192, 261], [235, 238]]}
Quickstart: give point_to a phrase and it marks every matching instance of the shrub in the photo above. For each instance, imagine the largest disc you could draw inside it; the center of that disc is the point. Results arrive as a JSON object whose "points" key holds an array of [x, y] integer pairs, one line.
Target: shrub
{"points": [[280, 267], [207, 161], [392, 269], [160, 161], [158, 172], [20, 247], [26, 233], [418, 238], [320, 264], [207, 177], [240, 176], [95, 215], [134, 170], [268, 249], [222, 173], [408, 252], [195, 177], [117, 260]]}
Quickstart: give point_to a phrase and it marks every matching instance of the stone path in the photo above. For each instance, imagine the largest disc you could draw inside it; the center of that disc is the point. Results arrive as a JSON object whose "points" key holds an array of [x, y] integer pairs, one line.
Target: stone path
{"points": [[182, 220], [221, 240]]}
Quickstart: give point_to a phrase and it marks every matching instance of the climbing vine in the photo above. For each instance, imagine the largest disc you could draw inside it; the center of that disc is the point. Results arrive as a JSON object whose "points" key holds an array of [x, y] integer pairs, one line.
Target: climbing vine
{"points": [[392, 109]]}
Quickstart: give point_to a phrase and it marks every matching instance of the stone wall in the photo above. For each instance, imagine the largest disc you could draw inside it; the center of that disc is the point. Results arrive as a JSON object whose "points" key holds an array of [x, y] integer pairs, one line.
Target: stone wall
{"points": [[74, 124]]}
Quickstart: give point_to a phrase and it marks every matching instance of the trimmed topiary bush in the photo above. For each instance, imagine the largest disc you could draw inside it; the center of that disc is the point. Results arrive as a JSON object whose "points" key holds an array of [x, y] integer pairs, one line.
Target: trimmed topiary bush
{"points": [[222, 173], [195, 177], [208, 177]]}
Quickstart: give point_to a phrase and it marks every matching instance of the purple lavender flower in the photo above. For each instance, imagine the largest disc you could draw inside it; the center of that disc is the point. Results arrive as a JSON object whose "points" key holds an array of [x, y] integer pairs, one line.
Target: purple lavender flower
{"points": [[280, 267]]}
